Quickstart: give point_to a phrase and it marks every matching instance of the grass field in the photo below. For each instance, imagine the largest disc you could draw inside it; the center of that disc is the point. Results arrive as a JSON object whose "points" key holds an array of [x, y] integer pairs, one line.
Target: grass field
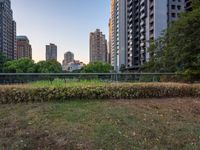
{"points": [[145, 124], [82, 83], [68, 83]]}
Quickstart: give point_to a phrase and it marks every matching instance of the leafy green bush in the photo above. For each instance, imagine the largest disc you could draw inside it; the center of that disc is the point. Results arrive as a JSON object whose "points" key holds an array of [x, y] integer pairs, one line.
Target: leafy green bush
{"points": [[97, 67], [20, 94]]}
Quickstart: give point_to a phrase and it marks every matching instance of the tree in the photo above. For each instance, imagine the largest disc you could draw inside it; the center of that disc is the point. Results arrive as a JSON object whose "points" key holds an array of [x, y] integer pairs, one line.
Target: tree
{"points": [[23, 65], [49, 66], [97, 67], [123, 68], [3, 59], [180, 48], [195, 4]]}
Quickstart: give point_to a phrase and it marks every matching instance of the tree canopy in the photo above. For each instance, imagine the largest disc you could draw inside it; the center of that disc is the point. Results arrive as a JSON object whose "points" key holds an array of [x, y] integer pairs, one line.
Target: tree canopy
{"points": [[23, 65], [179, 49], [195, 4], [49, 66], [97, 67], [26, 65]]}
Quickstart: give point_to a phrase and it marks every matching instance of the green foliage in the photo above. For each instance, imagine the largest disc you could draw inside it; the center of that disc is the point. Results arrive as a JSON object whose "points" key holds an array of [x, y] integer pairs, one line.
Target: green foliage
{"points": [[123, 68], [179, 49], [155, 64], [97, 67], [195, 4], [23, 65], [67, 83], [26, 65], [49, 66], [124, 91]]}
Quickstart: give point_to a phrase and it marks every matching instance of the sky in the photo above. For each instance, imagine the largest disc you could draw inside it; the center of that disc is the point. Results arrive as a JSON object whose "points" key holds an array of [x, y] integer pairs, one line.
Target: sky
{"points": [[66, 23]]}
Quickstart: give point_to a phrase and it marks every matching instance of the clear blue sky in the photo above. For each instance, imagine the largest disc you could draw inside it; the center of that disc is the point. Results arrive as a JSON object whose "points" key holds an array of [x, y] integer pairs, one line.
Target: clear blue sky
{"points": [[67, 23]]}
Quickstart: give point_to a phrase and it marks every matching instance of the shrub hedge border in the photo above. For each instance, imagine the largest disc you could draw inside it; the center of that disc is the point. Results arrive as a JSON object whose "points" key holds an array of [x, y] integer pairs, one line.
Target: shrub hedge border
{"points": [[24, 94]]}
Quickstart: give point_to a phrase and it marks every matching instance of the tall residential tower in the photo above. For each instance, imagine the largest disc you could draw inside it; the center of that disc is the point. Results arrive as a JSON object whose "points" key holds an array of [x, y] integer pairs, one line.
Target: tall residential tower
{"points": [[7, 30], [51, 52], [134, 24], [98, 46], [68, 58], [118, 33], [24, 49]]}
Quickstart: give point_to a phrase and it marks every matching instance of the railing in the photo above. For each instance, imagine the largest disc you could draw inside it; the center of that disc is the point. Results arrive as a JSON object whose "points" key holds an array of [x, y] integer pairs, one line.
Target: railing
{"points": [[17, 78]]}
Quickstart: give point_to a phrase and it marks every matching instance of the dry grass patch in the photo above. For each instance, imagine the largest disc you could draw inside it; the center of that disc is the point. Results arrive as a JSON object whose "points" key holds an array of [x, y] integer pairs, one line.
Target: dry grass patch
{"points": [[122, 124]]}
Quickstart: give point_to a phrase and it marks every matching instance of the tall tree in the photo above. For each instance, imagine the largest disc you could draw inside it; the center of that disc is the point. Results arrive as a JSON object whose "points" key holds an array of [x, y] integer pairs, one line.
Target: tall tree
{"points": [[49, 66], [179, 49], [97, 67], [195, 4], [23, 65]]}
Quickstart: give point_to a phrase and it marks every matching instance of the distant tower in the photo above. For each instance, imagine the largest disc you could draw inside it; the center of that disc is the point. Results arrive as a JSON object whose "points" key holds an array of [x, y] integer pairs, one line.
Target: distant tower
{"points": [[98, 46], [51, 52], [68, 58], [24, 49], [7, 30]]}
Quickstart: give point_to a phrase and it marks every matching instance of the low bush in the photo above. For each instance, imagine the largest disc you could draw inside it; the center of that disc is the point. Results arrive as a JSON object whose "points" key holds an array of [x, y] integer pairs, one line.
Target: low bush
{"points": [[21, 94]]}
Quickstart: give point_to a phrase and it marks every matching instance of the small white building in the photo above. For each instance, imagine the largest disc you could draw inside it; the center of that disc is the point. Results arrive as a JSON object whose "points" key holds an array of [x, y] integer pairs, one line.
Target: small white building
{"points": [[72, 66]]}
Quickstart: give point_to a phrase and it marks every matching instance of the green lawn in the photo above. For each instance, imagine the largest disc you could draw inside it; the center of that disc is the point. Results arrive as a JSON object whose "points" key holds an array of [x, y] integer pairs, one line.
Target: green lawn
{"points": [[67, 83], [139, 124]]}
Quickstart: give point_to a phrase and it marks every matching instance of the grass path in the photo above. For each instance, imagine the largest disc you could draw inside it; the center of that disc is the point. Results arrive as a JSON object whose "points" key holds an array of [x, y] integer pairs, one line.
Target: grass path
{"points": [[142, 124]]}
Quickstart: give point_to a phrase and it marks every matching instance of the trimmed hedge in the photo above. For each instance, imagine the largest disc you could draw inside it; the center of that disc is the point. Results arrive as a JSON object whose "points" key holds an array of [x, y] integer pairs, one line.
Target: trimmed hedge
{"points": [[21, 94]]}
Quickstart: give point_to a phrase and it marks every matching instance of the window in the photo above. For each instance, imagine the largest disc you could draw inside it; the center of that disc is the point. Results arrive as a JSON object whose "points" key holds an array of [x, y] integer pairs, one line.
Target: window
{"points": [[173, 15]]}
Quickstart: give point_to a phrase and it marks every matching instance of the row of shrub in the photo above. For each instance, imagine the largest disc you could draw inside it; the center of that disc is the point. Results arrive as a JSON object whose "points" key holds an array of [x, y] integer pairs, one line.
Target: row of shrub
{"points": [[21, 94]]}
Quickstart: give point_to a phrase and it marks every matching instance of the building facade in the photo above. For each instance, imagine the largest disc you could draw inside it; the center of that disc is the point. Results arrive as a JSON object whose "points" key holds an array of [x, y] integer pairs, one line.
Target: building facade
{"points": [[74, 66], [109, 42], [98, 46], [117, 33], [51, 52], [135, 23], [68, 58], [7, 30], [24, 49]]}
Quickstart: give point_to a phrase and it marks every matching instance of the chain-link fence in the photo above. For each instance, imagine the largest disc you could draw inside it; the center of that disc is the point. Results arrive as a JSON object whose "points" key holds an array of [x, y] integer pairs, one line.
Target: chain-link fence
{"points": [[20, 78]]}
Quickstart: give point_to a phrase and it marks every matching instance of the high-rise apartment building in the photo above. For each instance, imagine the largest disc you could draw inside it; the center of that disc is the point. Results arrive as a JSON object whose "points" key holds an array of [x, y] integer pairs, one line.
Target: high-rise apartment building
{"points": [[24, 49], [109, 42], [68, 58], [98, 46], [118, 33], [7, 30], [134, 24], [51, 52]]}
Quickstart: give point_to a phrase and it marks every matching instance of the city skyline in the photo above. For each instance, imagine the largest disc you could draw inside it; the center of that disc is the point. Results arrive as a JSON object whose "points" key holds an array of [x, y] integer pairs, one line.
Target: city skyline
{"points": [[61, 22]]}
